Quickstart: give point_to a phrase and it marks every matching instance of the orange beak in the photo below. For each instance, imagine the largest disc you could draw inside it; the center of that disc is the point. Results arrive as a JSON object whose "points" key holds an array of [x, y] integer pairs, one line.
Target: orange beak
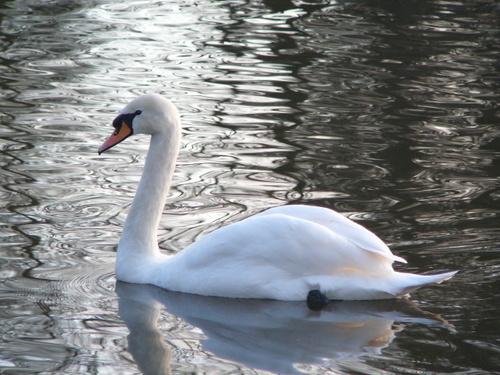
{"points": [[120, 134]]}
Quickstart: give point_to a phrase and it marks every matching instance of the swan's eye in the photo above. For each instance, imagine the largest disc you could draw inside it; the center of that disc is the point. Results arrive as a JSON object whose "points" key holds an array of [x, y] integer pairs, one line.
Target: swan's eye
{"points": [[125, 118]]}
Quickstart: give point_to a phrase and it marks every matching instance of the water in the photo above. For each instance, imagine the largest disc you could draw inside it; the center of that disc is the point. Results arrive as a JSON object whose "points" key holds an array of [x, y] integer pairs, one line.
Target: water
{"points": [[385, 111]]}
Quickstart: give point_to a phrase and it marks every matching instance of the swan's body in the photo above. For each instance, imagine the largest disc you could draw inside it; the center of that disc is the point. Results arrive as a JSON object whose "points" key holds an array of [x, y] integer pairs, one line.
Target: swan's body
{"points": [[282, 253]]}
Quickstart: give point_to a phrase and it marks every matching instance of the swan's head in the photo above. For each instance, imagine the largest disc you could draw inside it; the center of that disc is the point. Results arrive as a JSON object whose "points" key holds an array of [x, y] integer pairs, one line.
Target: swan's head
{"points": [[147, 114]]}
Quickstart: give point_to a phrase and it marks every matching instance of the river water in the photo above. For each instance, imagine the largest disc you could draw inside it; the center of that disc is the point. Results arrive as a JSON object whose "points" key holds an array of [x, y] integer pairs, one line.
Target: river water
{"points": [[383, 110]]}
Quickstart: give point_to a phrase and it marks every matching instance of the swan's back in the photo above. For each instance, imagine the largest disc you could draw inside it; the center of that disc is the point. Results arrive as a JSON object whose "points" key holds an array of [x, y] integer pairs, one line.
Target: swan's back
{"points": [[282, 254], [337, 224]]}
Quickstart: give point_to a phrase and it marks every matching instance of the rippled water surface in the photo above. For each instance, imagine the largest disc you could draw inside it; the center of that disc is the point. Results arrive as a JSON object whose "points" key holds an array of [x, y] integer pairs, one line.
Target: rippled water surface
{"points": [[383, 110]]}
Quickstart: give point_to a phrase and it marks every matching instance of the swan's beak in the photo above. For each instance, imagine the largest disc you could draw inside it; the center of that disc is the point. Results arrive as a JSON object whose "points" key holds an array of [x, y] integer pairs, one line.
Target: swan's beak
{"points": [[118, 135]]}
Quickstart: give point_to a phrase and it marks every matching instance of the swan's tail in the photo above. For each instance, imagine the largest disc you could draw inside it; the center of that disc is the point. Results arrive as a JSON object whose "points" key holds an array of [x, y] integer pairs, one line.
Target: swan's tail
{"points": [[405, 283]]}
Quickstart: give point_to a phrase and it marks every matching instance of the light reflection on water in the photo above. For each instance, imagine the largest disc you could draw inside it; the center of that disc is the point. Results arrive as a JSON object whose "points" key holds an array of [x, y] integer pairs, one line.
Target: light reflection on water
{"points": [[384, 111]]}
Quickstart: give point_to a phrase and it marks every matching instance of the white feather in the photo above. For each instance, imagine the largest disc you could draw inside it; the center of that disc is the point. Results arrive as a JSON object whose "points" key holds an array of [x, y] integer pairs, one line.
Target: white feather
{"points": [[281, 253]]}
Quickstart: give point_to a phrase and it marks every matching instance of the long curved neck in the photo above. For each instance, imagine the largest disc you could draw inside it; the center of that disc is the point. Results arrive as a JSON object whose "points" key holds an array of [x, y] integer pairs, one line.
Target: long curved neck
{"points": [[138, 242]]}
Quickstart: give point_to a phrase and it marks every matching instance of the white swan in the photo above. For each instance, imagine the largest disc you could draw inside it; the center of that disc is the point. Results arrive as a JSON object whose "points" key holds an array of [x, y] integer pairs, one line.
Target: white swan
{"points": [[283, 253]]}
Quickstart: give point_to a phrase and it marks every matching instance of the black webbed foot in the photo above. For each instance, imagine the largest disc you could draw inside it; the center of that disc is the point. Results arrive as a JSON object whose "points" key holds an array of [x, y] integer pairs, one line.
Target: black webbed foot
{"points": [[316, 300]]}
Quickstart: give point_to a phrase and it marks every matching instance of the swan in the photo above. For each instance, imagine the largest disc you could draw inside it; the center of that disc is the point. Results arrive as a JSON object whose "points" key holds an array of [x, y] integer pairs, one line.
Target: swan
{"points": [[290, 253]]}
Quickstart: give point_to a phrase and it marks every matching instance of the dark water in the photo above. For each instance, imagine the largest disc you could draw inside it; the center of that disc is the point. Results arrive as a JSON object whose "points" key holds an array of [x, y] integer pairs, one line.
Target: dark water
{"points": [[386, 111]]}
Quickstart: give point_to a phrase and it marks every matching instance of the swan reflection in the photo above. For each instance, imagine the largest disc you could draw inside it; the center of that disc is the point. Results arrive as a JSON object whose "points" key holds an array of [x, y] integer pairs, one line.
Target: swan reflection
{"points": [[263, 334]]}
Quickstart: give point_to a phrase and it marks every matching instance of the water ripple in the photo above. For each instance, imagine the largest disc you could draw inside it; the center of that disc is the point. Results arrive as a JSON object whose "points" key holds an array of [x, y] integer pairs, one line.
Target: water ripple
{"points": [[385, 113]]}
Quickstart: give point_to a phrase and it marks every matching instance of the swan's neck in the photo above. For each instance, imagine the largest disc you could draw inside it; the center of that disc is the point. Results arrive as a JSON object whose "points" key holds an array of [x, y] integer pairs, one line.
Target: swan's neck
{"points": [[139, 244]]}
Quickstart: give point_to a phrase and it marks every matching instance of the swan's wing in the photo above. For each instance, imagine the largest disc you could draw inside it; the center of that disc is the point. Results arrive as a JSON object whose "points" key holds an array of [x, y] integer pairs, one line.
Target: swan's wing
{"points": [[338, 224], [269, 256]]}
